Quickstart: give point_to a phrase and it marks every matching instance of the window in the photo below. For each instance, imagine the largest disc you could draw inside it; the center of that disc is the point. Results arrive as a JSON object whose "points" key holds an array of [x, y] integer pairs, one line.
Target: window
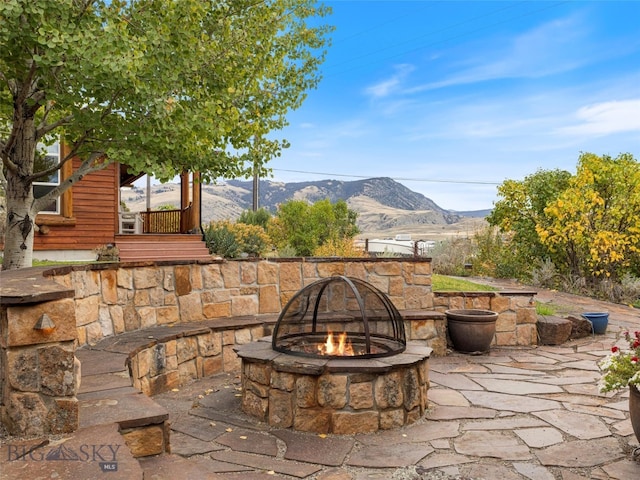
{"points": [[45, 185]]}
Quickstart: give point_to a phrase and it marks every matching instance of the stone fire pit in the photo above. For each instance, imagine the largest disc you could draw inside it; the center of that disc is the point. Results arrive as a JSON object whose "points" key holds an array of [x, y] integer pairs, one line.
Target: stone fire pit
{"points": [[337, 362], [331, 395]]}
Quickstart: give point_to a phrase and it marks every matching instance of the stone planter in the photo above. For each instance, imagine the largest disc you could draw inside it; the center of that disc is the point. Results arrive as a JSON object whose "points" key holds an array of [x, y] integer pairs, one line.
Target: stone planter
{"points": [[471, 331]]}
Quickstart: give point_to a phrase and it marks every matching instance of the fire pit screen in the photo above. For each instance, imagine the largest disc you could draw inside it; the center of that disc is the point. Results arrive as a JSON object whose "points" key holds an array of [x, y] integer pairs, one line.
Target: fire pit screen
{"points": [[340, 317]]}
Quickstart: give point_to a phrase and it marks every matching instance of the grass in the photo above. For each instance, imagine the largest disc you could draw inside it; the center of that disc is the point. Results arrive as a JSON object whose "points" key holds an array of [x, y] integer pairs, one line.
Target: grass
{"points": [[53, 263], [443, 283], [545, 309]]}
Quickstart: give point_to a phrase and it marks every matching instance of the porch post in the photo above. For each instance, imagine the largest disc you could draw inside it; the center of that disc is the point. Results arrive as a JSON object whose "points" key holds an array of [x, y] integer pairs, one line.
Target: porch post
{"points": [[196, 216], [184, 201]]}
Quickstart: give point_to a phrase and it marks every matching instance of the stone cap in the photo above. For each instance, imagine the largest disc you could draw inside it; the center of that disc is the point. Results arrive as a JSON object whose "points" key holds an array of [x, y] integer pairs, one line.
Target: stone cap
{"points": [[29, 285], [262, 352]]}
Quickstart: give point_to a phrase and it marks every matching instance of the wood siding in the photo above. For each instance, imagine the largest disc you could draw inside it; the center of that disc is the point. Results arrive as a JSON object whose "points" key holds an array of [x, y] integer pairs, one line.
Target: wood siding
{"points": [[93, 220]]}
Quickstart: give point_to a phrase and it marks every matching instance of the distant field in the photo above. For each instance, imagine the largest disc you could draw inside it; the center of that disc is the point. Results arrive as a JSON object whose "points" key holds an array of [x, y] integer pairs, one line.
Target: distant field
{"points": [[465, 228]]}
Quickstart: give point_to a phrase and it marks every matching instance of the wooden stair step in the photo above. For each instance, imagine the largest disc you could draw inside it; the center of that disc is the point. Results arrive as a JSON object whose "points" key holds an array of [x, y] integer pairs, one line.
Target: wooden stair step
{"points": [[162, 247]]}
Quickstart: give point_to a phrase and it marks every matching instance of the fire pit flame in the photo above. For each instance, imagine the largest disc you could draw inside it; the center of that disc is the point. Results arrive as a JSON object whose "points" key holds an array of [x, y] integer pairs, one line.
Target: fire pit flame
{"points": [[343, 349]]}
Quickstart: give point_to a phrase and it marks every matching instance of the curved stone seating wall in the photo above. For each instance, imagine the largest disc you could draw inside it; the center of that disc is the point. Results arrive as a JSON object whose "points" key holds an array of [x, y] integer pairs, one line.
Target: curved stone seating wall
{"points": [[163, 358]]}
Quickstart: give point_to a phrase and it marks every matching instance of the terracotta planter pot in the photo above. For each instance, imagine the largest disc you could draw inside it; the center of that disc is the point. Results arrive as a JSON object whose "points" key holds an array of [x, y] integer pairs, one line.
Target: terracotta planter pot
{"points": [[471, 331], [634, 410]]}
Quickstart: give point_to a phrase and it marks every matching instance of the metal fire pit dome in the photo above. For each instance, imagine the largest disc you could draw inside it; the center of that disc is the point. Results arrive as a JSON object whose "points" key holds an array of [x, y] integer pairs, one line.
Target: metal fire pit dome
{"points": [[334, 306]]}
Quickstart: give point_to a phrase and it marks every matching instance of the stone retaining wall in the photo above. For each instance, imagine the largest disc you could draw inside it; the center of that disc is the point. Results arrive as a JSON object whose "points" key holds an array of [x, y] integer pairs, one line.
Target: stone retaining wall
{"points": [[176, 356], [117, 298], [516, 324]]}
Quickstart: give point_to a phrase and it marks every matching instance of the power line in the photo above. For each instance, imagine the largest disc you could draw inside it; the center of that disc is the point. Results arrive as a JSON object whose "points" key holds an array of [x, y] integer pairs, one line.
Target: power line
{"points": [[328, 67], [412, 40], [397, 179]]}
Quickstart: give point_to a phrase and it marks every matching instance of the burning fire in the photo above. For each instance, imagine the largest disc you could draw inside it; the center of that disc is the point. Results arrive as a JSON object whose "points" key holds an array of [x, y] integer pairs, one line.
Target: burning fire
{"points": [[343, 348]]}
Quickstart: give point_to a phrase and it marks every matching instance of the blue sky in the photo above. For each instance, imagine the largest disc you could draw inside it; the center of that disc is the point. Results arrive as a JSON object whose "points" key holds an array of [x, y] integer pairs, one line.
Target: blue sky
{"points": [[451, 98]]}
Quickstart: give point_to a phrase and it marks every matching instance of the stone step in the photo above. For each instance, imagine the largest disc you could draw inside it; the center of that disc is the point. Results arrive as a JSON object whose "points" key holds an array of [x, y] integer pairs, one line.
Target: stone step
{"points": [[96, 452], [106, 397]]}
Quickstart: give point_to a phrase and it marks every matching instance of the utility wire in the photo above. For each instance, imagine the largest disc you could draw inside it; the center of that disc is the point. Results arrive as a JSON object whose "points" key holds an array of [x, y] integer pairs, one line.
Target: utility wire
{"points": [[445, 40], [330, 66]]}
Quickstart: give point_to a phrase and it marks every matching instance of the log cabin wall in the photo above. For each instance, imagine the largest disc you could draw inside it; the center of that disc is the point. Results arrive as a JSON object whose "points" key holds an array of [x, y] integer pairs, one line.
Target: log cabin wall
{"points": [[89, 214]]}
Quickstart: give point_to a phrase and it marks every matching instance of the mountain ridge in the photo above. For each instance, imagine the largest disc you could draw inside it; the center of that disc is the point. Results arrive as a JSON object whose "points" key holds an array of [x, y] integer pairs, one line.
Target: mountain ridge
{"points": [[381, 202]]}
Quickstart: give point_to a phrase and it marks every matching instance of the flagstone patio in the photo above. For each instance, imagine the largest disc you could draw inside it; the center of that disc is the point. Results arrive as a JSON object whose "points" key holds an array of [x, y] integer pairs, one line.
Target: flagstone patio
{"points": [[517, 413]]}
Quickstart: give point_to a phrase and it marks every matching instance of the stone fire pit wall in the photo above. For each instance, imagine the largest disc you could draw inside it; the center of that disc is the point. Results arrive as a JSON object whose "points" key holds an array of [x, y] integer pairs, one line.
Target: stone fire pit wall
{"points": [[328, 395]]}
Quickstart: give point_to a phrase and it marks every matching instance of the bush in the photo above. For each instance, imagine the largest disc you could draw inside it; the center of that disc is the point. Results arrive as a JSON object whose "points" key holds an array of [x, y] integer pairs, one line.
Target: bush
{"points": [[287, 252], [231, 240], [450, 256], [544, 275], [221, 240], [342, 247], [258, 217], [252, 239]]}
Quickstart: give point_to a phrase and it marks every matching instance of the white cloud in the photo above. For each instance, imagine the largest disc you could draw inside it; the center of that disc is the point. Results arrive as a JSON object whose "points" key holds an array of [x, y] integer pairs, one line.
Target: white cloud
{"points": [[606, 118], [391, 85], [555, 47]]}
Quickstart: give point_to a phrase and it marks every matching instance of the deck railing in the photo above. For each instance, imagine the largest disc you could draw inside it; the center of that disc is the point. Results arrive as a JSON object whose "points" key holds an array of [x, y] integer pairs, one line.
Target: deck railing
{"points": [[167, 221]]}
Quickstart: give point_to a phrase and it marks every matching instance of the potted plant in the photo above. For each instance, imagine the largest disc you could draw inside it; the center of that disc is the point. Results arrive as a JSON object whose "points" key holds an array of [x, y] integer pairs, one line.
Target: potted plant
{"points": [[622, 369]]}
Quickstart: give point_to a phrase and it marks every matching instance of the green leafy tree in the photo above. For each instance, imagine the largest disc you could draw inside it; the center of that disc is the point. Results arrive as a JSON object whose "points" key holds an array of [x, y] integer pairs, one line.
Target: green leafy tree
{"points": [[594, 224], [258, 217], [517, 214], [161, 86], [306, 227]]}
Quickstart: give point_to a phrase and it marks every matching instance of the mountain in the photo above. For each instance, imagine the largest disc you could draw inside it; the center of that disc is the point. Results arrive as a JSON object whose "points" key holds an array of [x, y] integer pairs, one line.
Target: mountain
{"points": [[382, 204]]}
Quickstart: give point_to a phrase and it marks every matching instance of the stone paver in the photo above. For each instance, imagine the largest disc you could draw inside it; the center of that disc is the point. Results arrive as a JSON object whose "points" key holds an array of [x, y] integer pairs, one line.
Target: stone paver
{"points": [[286, 467], [447, 397], [387, 456], [582, 453], [512, 403], [539, 437], [453, 413], [496, 444], [579, 425], [326, 450], [516, 387], [247, 441], [187, 446], [200, 428], [534, 472]]}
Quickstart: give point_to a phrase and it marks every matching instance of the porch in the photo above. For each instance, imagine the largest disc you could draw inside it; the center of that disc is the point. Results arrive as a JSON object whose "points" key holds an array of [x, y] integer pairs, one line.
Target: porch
{"points": [[163, 233]]}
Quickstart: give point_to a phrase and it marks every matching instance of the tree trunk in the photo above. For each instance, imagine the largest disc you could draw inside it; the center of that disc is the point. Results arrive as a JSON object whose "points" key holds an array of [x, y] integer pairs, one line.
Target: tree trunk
{"points": [[18, 241]]}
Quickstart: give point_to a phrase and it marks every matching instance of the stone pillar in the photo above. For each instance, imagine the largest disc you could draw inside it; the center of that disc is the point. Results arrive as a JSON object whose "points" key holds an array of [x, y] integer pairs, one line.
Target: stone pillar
{"points": [[38, 372]]}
